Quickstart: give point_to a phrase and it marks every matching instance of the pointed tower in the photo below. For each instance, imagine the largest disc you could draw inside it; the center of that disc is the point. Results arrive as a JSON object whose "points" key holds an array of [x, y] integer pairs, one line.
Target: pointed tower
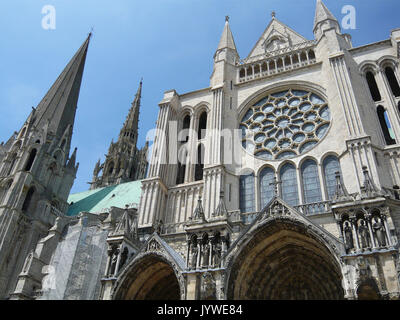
{"points": [[326, 24], [36, 172], [124, 162]]}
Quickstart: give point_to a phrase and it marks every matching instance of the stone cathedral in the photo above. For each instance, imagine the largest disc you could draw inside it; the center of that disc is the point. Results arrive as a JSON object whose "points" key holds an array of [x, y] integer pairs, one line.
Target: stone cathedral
{"points": [[280, 180]]}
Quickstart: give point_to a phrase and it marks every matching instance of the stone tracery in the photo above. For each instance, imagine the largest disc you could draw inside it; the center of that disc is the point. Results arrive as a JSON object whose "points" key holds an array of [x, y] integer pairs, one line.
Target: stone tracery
{"points": [[285, 124]]}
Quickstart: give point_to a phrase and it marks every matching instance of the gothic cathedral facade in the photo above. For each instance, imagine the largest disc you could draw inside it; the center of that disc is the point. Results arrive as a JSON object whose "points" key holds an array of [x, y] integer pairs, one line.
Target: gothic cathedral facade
{"points": [[280, 180]]}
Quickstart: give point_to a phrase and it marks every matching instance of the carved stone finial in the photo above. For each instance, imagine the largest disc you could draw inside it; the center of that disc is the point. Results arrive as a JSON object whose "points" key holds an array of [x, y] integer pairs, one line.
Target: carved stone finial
{"points": [[275, 183], [273, 14], [341, 193], [227, 18]]}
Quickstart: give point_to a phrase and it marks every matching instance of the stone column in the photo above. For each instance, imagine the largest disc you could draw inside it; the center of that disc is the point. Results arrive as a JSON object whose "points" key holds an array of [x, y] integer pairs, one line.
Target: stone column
{"points": [[387, 231], [353, 224], [210, 255], [188, 253]]}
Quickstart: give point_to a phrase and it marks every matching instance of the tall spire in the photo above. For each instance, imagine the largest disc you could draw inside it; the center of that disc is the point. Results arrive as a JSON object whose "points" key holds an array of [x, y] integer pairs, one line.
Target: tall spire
{"points": [[131, 123], [58, 106], [322, 13], [227, 38]]}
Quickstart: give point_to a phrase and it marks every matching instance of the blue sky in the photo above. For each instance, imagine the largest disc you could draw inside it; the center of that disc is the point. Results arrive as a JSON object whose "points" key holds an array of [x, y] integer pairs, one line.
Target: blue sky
{"points": [[170, 43]]}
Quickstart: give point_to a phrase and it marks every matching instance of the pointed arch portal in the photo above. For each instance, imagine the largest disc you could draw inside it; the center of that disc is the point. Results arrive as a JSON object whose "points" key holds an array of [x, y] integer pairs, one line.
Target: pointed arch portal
{"points": [[283, 261], [151, 278]]}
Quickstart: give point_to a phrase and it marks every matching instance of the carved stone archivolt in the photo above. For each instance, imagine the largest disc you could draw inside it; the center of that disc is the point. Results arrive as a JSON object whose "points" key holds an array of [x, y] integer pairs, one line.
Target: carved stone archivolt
{"points": [[142, 268], [283, 250]]}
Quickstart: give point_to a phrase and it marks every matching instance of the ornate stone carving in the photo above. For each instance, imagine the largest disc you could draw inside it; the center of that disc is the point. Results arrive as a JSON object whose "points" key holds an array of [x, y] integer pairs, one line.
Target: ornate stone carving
{"points": [[208, 287]]}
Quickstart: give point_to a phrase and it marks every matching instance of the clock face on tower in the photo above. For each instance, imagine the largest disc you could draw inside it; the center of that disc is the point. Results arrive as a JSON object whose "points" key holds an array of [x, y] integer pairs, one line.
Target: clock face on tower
{"points": [[284, 124]]}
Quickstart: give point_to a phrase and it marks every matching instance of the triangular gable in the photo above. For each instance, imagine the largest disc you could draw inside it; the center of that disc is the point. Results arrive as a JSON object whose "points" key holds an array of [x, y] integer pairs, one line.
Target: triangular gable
{"points": [[156, 244], [278, 209], [276, 36]]}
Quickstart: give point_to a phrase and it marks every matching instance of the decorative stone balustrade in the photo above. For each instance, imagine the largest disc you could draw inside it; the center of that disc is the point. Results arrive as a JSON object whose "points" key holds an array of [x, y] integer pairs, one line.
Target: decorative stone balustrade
{"points": [[268, 65], [314, 208]]}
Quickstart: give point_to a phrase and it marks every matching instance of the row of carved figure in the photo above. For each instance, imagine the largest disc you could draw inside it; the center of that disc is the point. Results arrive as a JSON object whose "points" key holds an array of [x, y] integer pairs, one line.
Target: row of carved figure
{"points": [[205, 251], [117, 258], [365, 231]]}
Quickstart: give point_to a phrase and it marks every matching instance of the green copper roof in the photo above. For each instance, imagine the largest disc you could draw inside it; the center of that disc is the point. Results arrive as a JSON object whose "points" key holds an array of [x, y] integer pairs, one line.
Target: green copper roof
{"points": [[98, 200]]}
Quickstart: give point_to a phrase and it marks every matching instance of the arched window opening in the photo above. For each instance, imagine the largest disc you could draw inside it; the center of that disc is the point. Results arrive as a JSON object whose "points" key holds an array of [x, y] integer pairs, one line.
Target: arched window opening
{"points": [[185, 127], [331, 166], [295, 59], [202, 125], [279, 63], [28, 199], [256, 69], [385, 126], [311, 184], [264, 67], [246, 193], [287, 61], [249, 71], [311, 55], [31, 159], [373, 87], [303, 57], [198, 174], [271, 65], [111, 168], [267, 177], [288, 178], [393, 83], [13, 160], [242, 73], [180, 177]]}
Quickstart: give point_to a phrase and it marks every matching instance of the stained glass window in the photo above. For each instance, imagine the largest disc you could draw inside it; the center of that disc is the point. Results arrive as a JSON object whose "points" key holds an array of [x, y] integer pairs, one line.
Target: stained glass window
{"points": [[267, 176], [288, 178], [247, 194]]}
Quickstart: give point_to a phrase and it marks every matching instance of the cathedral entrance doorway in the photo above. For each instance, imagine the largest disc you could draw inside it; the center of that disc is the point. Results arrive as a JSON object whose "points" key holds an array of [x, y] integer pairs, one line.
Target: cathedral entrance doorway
{"points": [[151, 278], [283, 261]]}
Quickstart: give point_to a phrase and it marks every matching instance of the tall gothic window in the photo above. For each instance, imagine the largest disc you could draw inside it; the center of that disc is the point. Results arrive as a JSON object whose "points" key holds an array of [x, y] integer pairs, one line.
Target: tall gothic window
{"points": [[288, 177], [31, 159], [186, 126], [331, 166], [393, 83], [200, 163], [311, 184], [202, 125], [373, 87], [247, 194], [12, 164], [267, 177], [111, 168], [180, 176], [28, 199], [385, 125]]}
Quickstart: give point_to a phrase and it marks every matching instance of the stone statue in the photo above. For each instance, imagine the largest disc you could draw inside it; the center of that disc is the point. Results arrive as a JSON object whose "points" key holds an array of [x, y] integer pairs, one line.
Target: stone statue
{"points": [[206, 254], [379, 231], [194, 255], [348, 236], [124, 258], [364, 234], [114, 260], [217, 253]]}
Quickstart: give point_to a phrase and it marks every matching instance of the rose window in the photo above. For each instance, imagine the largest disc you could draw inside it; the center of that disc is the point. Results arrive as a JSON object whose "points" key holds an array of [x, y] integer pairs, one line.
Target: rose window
{"points": [[285, 124]]}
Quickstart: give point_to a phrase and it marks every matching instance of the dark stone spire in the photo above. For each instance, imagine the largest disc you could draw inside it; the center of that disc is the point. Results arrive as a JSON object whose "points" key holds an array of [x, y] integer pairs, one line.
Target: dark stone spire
{"points": [[58, 106], [131, 124], [124, 161]]}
